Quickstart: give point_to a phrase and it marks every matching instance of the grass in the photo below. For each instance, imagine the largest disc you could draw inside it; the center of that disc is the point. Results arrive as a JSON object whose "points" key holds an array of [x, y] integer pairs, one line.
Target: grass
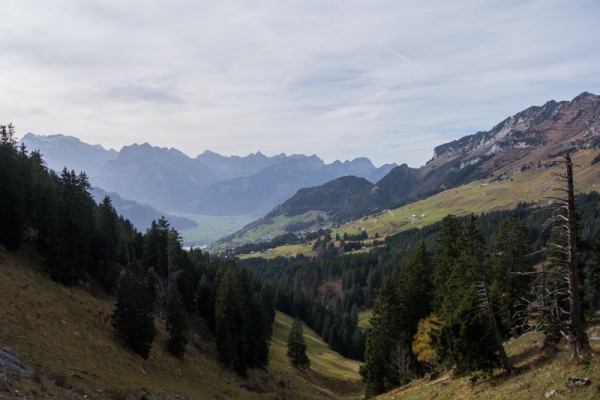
{"points": [[212, 228], [64, 336], [540, 372], [325, 364], [363, 318]]}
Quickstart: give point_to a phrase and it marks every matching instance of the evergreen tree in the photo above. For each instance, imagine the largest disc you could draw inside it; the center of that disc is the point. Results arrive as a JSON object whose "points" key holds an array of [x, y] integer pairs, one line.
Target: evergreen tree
{"points": [[267, 299], [258, 329], [133, 317], [70, 252], [445, 256], [11, 191], [382, 337], [42, 196], [231, 321], [464, 340], [414, 293], [510, 272], [156, 245], [592, 277], [177, 325], [205, 300], [106, 246], [296, 346]]}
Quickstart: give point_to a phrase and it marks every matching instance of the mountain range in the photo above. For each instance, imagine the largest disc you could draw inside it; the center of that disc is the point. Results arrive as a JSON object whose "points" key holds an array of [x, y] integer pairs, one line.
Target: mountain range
{"points": [[520, 142], [212, 184]]}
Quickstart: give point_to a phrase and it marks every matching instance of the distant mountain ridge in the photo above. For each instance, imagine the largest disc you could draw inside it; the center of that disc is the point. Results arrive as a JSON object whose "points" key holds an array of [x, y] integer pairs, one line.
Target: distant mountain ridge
{"points": [[210, 184], [140, 215], [61, 151]]}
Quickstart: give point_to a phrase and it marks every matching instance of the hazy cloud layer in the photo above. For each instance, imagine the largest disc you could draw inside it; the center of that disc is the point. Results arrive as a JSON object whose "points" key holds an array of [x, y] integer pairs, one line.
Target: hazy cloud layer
{"points": [[384, 79]]}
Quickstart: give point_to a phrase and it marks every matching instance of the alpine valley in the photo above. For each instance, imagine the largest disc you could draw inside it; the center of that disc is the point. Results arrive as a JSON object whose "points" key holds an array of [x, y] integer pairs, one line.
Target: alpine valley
{"points": [[282, 191], [335, 281]]}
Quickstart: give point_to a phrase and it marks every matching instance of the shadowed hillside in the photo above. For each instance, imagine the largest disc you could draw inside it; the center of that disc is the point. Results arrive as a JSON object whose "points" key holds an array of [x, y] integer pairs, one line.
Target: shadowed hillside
{"points": [[58, 342]]}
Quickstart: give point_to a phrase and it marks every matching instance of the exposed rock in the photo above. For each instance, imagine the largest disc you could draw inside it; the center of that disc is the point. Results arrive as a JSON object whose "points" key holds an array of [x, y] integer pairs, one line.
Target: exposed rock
{"points": [[576, 381]]}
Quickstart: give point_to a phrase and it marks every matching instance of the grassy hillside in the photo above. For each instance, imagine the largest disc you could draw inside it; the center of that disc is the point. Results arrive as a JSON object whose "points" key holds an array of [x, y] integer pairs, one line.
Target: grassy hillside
{"points": [[540, 372], [65, 348], [505, 190]]}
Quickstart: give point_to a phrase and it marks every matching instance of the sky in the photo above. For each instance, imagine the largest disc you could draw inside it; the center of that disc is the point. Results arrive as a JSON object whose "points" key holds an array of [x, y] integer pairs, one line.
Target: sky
{"points": [[387, 80]]}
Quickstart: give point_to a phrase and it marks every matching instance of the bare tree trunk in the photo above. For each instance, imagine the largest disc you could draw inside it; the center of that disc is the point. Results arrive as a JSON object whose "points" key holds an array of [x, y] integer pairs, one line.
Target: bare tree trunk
{"points": [[487, 305], [577, 337]]}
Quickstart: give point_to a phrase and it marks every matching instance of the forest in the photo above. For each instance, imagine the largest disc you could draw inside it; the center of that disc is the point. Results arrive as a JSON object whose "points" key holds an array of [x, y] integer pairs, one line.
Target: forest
{"points": [[442, 297], [88, 244]]}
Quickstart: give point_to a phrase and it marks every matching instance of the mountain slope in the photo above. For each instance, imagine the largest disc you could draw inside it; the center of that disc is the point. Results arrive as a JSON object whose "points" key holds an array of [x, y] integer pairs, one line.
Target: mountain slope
{"points": [[159, 177], [140, 215], [532, 136], [539, 372], [523, 142], [57, 342]]}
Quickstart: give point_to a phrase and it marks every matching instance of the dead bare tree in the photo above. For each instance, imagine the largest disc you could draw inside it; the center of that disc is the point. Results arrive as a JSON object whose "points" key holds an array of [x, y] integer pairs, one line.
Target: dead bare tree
{"points": [[559, 301], [401, 361]]}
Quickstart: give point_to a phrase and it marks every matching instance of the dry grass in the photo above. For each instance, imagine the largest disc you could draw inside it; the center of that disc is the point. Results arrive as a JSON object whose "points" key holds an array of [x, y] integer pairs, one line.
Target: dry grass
{"points": [[64, 336], [539, 372]]}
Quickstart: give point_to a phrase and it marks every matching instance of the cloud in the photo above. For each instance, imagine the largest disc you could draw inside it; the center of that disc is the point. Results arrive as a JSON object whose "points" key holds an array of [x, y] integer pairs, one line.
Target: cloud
{"points": [[385, 79]]}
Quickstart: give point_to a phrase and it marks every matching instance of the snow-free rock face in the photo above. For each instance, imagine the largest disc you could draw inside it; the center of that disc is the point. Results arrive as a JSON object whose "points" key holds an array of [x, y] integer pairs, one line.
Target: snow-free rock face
{"points": [[554, 125]]}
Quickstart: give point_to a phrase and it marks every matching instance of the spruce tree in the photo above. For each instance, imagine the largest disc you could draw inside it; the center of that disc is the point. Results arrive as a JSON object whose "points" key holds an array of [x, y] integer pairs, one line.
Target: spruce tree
{"points": [[106, 246], [296, 346], [70, 252], [464, 340], [177, 324], [377, 372], [231, 321], [11, 190], [133, 317], [414, 293], [510, 273], [445, 256]]}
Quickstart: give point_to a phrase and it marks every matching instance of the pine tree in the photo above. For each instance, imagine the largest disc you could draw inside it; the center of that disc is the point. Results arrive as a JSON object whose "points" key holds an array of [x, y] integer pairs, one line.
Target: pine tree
{"points": [[296, 346], [133, 317], [177, 325], [464, 339]]}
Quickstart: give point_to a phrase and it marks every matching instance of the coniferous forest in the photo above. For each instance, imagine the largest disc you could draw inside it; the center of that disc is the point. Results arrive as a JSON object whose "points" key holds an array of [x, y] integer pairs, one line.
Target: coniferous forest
{"points": [[149, 273], [442, 297]]}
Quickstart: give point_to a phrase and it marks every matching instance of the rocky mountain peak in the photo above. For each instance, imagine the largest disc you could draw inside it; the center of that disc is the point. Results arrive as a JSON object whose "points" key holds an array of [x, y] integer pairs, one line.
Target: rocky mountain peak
{"points": [[532, 128]]}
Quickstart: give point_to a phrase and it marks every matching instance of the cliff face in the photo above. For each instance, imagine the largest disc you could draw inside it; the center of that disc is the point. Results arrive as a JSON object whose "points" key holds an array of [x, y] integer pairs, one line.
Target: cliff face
{"points": [[553, 127]]}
